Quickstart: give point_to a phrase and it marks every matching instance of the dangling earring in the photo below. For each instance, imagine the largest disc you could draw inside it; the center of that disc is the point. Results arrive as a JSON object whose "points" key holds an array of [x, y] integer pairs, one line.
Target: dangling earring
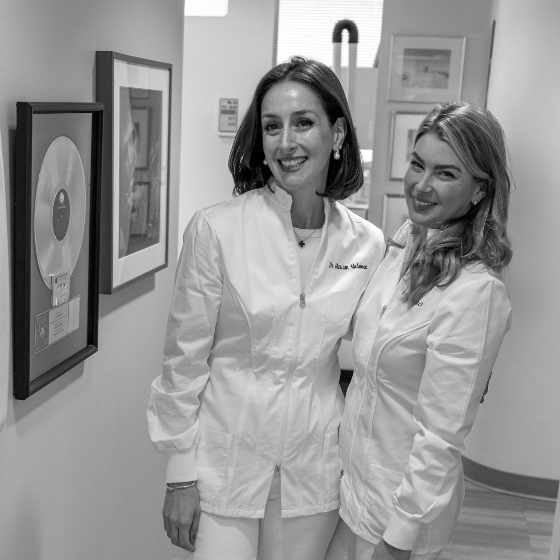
{"points": [[265, 162], [336, 154]]}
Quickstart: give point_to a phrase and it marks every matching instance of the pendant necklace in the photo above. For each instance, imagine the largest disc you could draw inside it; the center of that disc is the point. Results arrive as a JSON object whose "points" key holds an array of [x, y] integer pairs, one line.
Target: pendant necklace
{"points": [[301, 242]]}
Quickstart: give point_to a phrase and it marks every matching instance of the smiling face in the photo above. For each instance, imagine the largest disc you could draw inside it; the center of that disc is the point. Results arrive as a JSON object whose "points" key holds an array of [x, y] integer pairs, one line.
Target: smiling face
{"points": [[437, 185], [298, 138]]}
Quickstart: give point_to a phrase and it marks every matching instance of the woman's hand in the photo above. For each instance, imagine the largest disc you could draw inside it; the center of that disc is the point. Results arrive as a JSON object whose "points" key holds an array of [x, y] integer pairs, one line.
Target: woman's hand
{"points": [[181, 516], [384, 551]]}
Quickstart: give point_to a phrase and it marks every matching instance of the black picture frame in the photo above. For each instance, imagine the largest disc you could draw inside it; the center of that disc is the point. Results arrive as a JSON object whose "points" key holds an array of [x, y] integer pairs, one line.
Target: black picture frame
{"points": [[56, 240], [136, 93]]}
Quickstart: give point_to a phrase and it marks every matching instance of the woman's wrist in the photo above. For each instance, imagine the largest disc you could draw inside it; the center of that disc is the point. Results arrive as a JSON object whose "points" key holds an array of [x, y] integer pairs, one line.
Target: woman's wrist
{"points": [[172, 486]]}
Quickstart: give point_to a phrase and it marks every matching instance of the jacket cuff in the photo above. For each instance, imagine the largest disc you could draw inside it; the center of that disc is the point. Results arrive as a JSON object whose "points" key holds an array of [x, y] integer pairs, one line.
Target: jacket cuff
{"points": [[401, 533], [181, 467]]}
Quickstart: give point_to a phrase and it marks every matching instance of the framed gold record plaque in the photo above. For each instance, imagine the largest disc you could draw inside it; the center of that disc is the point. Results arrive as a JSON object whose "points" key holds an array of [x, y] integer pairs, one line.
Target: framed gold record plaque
{"points": [[136, 94], [56, 240]]}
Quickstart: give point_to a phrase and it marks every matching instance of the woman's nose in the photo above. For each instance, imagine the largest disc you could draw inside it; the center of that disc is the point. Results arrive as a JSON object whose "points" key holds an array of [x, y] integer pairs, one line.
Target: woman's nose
{"points": [[287, 141], [424, 183]]}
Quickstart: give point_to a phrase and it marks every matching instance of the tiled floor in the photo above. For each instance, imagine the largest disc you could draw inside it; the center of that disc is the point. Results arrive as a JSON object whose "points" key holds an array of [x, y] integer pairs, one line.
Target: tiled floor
{"points": [[495, 526]]}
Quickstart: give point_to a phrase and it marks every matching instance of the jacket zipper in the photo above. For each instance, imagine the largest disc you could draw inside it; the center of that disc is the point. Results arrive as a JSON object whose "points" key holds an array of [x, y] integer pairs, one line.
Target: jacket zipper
{"points": [[278, 466], [302, 305]]}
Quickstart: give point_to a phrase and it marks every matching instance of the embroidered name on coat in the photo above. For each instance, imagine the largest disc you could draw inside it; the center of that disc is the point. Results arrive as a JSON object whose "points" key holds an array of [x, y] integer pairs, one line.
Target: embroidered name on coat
{"points": [[347, 266]]}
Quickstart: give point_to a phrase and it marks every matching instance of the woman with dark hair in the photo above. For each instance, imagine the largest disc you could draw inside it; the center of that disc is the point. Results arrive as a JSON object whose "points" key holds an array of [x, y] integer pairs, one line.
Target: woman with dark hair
{"points": [[248, 405], [426, 336]]}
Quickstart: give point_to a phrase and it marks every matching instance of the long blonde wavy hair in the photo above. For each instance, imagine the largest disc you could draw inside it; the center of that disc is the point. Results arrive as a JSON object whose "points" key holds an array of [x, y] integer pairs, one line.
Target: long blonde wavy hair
{"points": [[480, 235]]}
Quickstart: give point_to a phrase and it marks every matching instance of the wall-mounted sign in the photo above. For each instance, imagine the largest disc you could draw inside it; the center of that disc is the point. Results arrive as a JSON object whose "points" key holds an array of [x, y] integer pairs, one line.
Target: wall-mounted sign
{"points": [[228, 119]]}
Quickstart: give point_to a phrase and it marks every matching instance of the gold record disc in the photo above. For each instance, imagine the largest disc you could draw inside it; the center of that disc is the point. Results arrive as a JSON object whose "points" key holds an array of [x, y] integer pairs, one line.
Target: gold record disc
{"points": [[60, 209]]}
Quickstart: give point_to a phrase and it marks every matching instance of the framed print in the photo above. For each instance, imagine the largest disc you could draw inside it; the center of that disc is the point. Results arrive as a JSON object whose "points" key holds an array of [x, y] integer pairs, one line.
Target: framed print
{"points": [[395, 213], [136, 94], [426, 69], [56, 240], [403, 131]]}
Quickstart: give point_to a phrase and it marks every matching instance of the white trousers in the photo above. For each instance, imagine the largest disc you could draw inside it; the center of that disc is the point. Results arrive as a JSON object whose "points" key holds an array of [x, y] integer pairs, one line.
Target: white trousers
{"points": [[270, 538], [346, 545]]}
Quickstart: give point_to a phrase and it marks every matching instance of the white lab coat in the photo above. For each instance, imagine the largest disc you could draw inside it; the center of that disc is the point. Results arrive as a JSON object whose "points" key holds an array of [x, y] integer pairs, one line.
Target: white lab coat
{"points": [[250, 374], [419, 377]]}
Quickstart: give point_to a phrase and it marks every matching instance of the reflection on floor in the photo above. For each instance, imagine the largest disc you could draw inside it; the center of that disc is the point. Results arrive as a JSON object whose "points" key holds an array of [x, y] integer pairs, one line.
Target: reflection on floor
{"points": [[495, 526]]}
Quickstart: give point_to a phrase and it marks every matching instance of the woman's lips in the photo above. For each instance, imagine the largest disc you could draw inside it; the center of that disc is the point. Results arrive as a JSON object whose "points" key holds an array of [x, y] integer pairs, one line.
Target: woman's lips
{"points": [[292, 163], [422, 204]]}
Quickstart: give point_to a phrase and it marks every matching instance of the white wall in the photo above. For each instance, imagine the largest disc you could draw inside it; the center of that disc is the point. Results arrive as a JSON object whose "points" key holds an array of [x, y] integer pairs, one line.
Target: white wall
{"points": [[222, 57], [518, 430], [79, 478], [363, 114]]}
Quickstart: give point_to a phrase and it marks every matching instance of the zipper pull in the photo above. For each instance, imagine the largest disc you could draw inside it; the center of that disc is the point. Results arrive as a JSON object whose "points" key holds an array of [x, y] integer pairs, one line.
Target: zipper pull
{"points": [[277, 471], [302, 300], [382, 311]]}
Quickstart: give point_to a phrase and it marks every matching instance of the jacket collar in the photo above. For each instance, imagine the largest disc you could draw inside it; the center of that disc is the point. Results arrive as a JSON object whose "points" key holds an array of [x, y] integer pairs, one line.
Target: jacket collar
{"points": [[283, 201]]}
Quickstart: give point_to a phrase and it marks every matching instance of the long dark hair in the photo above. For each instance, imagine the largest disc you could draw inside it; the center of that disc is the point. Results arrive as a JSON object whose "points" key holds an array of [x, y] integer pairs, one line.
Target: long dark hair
{"points": [[345, 175], [479, 236]]}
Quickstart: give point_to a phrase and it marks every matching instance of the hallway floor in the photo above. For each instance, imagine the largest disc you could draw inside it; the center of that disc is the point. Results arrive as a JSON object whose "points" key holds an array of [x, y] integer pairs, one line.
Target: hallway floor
{"points": [[495, 526]]}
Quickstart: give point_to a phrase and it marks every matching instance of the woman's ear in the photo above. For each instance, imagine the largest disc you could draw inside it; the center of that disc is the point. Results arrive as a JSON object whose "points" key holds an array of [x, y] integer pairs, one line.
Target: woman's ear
{"points": [[340, 132], [482, 191]]}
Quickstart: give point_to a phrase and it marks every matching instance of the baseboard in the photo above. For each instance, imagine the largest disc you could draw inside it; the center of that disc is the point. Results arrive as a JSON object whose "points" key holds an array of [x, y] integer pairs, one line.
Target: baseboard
{"points": [[509, 483]]}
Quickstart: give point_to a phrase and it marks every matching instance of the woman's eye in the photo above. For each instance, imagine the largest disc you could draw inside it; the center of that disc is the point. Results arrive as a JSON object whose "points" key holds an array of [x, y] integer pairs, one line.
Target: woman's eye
{"points": [[446, 175], [415, 165], [271, 128], [304, 123]]}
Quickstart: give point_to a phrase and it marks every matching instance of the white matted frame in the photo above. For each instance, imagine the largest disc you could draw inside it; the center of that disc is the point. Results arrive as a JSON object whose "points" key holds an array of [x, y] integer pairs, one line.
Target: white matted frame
{"points": [[134, 236], [395, 213], [426, 69], [403, 132]]}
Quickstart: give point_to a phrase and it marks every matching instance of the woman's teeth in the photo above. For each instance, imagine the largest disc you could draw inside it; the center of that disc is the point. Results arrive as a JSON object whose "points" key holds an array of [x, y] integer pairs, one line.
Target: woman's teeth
{"points": [[292, 163], [420, 203]]}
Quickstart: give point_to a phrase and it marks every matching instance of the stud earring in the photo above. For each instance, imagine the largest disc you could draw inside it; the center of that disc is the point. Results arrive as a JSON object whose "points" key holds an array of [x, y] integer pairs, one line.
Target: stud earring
{"points": [[336, 154], [265, 162], [474, 202]]}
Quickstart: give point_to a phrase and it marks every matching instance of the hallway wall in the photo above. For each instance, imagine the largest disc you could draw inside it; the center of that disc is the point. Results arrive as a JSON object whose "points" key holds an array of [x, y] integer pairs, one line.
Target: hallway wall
{"points": [[237, 52], [79, 478], [517, 431]]}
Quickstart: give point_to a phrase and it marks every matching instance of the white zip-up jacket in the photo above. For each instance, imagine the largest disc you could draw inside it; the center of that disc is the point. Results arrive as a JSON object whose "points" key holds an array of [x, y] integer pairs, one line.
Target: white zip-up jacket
{"points": [[419, 377], [250, 375]]}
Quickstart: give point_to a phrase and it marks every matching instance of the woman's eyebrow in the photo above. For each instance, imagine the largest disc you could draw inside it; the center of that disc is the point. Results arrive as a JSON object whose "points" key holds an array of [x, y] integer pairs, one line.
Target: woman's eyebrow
{"points": [[439, 165], [448, 166], [295, 113]]}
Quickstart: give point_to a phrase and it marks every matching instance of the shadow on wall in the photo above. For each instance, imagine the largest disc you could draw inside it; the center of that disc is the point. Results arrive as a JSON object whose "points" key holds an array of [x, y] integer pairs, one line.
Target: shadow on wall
{"points": [[24, 529]]}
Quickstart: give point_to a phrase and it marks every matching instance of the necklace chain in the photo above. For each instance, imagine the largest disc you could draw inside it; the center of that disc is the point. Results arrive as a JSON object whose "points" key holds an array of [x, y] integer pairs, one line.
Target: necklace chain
{"points": [[301, 242]]}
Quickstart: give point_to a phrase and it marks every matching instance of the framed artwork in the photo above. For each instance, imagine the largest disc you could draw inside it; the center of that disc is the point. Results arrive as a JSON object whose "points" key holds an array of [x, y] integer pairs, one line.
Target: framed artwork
{"points": [[56, 240], [136, 94], [426, 69], [403, 131], [395, 213]]}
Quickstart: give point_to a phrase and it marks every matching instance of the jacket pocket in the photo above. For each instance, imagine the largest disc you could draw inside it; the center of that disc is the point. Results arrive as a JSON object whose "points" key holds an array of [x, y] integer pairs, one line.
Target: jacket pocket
{"points": [[332, 467], [212, 458], [381, 485]]}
